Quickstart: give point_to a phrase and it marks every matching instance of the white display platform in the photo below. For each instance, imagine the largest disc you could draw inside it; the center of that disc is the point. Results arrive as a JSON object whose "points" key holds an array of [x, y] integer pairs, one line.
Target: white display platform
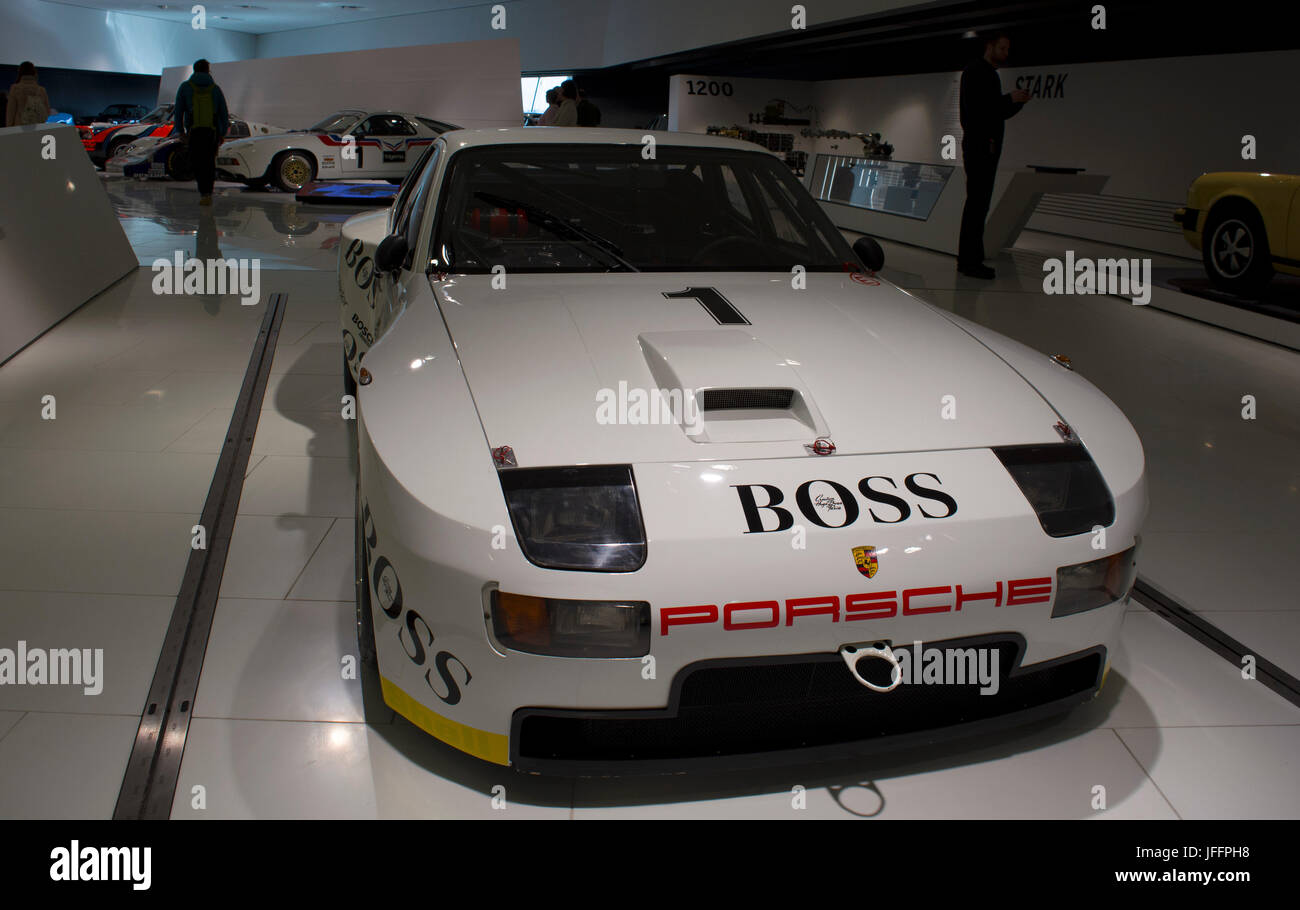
{"points": [[60, 241], [1015, 196], [1246, 322]]}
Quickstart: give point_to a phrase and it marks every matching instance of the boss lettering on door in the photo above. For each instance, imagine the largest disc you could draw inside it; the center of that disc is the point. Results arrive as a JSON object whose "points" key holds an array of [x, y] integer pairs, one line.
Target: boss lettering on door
{"points": [[829, 504]]}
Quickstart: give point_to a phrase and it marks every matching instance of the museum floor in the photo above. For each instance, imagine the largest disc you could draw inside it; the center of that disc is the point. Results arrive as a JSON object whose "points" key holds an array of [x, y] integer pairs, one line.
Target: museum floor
{"points": [[96, 508]]}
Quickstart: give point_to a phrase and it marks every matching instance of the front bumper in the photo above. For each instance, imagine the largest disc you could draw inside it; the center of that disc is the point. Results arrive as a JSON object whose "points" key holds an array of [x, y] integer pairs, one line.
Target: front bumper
{"points": [[753, 712], [440, 666], [136, 166], [232, 167], [1187, 218]]}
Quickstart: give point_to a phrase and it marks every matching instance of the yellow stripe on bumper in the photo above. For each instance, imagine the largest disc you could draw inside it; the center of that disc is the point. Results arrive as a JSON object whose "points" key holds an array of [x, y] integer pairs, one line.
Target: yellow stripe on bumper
{"points": [[493, 747]]}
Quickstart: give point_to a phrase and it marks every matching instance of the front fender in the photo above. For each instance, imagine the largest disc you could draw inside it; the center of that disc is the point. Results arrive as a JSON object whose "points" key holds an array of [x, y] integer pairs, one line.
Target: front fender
{"points": [[360, 284], [1098, 422]]}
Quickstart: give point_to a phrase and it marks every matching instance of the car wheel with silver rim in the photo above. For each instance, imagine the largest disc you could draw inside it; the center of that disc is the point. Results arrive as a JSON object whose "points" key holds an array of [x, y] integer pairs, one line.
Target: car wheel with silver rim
{"points": [[1235, 251], [292, 170]]}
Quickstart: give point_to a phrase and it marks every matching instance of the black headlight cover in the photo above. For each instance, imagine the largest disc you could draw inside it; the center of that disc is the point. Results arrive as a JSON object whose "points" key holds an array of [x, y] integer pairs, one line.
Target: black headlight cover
{"points": [[1062, 484], [584, 518]]}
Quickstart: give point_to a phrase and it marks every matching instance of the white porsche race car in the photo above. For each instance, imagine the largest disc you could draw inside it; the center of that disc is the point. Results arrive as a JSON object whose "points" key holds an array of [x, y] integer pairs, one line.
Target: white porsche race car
{"points": [[167, 156], [653, 471], [345, 145]]}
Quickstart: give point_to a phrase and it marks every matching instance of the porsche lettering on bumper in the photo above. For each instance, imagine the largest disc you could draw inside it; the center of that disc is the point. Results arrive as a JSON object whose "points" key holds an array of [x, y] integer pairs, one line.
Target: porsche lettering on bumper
{"points": [[768, 614]]}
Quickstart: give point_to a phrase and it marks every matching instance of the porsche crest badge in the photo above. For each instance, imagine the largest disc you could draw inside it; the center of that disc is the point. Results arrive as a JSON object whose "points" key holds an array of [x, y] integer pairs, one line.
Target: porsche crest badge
{"points": [[865, 559]]}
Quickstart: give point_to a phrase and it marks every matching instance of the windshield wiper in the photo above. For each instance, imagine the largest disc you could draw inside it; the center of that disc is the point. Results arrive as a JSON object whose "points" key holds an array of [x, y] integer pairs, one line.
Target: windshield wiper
{"points": [[556, 224]]}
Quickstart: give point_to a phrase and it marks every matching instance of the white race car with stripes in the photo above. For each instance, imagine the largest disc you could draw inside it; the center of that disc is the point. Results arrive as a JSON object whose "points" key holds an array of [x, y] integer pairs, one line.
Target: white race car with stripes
{"points": [[350, 144], [655, 471]]}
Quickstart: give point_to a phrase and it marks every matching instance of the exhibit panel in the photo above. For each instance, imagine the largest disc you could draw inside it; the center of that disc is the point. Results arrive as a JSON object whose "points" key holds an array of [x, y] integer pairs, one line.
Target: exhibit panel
{"points": [[74, 247], [921, 204], [471, 83]]}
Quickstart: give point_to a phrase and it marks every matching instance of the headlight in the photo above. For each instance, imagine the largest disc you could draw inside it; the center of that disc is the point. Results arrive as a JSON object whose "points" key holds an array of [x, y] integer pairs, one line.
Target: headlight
{"points": [[577, 518], [1062, 484], [571, 628], [1089, 585]]}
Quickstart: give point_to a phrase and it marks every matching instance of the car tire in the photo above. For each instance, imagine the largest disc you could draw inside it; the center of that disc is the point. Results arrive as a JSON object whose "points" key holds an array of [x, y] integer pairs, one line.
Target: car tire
{"points": [[178, 164], [1234, 249], [292, 170], [114, 146]]}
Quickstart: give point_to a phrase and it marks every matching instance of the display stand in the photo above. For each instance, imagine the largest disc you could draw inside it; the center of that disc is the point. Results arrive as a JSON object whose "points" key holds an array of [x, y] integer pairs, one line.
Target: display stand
{"points": [[920, 204], [60, 242]]}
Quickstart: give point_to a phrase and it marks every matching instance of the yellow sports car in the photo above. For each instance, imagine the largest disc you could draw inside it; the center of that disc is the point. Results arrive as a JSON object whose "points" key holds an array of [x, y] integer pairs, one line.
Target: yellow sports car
{"points": [[1246, 225]]}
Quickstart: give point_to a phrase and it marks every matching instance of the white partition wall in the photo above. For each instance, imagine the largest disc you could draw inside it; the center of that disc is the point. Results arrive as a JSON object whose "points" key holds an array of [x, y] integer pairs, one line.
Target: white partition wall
{"points": [[60, 242], [471, 83]]}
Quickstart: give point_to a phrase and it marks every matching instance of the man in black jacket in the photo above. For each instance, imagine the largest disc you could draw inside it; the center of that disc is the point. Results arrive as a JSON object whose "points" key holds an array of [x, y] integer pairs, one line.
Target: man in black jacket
{"points": [[983, 109]]}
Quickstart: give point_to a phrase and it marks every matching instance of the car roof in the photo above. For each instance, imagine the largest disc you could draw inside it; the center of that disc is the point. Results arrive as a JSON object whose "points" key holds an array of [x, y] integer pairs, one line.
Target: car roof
{"points": [[510, 135]]}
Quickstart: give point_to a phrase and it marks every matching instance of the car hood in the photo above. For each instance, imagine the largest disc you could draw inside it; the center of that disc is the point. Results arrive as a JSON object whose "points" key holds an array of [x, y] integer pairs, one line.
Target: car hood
{"points": [[558, 363]]}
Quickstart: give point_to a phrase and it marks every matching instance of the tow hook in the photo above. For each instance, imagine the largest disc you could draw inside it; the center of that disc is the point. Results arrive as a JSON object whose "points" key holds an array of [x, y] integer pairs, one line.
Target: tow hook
{"points": [[864, 657]]}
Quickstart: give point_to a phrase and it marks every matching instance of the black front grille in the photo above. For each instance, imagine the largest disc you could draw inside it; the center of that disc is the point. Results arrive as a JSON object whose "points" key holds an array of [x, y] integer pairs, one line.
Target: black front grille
{"points": [[745, 399], [730, 708]]}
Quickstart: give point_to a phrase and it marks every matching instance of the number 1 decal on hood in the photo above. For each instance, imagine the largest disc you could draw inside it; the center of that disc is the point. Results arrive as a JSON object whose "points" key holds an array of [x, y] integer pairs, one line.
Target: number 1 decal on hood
{"points": [[717, 306]]}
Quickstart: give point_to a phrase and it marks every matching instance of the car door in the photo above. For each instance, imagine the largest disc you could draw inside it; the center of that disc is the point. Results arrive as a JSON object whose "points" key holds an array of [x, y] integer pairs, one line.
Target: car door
{"points": [[383, 146]]}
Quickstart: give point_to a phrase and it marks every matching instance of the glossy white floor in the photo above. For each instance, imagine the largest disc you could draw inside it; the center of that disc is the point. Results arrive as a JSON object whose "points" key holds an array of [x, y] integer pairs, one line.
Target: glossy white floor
{"points": [[96, 507]]}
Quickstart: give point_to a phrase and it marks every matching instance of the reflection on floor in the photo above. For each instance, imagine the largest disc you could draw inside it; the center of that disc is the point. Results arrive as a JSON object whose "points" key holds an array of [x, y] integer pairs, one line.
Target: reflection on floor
{"points": [[96, 533]]}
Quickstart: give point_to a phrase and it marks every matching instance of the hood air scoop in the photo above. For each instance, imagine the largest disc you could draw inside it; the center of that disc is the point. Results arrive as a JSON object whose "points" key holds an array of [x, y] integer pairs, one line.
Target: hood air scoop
{"points": [[733, 388]]}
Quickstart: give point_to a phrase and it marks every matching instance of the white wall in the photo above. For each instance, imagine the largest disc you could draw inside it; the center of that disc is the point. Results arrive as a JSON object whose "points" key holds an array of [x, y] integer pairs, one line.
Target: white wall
{"points": [[565, 35], [473, 84], [693, 108], [75, 37], [1153, 125], [552, 34]]}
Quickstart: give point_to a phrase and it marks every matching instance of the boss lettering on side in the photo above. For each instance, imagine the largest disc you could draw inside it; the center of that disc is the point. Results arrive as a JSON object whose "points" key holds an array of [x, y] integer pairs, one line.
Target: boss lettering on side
{"points": [[886, 502]]}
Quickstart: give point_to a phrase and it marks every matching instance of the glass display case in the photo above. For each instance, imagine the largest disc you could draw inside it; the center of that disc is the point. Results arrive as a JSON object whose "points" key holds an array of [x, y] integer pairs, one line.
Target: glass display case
{"points": [[906, 188]]}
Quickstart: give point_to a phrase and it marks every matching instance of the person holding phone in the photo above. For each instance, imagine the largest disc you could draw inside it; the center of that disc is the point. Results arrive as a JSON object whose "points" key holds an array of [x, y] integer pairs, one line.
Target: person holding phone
{"points": [[984, 109]]}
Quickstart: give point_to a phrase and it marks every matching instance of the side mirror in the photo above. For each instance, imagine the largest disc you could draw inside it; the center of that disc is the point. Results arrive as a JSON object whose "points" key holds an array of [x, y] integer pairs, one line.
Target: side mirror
{"points": [[391, 253], [872, 256]]}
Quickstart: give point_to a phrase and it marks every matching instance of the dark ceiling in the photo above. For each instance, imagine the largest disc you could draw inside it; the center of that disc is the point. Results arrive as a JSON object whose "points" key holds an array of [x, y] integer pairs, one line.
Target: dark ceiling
{"points": [[930, 38]]}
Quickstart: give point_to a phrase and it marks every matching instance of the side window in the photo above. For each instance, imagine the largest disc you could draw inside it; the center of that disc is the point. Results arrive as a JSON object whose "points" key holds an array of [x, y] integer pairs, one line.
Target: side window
{"points": [[238, 129], [736, 196], [385, 125], [403, 127], [408, 220], [779, 208], [402, 202]]}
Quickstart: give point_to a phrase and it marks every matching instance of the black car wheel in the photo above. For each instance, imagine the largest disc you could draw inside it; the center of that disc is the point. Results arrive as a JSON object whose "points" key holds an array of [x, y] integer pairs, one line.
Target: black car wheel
{"points": [[1234, 248], [178, 164]]}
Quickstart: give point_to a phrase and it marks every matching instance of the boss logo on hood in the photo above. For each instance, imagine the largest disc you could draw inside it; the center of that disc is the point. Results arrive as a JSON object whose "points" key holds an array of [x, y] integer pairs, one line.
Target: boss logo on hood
{"points": [[828, 504]]}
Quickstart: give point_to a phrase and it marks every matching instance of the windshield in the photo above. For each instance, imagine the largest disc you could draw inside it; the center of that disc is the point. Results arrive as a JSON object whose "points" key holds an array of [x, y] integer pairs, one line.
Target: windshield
{"points": [[335, 123], [158, 114], [584, 208]]}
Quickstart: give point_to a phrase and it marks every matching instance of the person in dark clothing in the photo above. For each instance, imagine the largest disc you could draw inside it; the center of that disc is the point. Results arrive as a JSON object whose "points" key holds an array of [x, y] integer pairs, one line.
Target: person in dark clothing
{"points": [[202, 120], [984, 107], [588, 113]]}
